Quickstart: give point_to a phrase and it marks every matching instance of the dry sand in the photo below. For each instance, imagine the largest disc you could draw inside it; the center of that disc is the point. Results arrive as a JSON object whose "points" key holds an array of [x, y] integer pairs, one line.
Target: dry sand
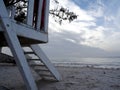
{"points": [[74, 78]]}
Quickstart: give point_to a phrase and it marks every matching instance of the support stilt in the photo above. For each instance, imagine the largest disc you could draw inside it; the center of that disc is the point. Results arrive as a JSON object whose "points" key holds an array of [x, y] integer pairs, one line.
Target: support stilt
{"points": [[20, 60], [16, 49]]}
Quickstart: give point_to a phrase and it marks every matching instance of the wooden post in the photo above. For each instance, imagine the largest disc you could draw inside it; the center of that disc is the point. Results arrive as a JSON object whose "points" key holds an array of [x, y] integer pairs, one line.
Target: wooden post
{"points": [[39, 14], [30, 12], [46, 15], [12, 12], [16, 49], [20, 59]]}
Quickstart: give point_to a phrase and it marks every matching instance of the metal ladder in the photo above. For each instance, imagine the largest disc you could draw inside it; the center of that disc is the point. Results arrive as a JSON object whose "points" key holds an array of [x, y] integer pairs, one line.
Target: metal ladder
{"points": [[41, 64]]}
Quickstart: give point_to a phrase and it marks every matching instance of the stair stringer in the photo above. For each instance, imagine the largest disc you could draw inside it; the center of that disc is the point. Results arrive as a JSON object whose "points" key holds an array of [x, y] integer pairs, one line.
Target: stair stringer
{"points": [[44, 59]]}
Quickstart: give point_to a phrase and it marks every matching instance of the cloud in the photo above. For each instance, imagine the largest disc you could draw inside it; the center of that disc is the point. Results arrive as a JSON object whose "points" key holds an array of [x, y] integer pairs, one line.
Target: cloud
{"points": [[117, 19], [112, 42], [104, 38], [96, 9], [95, 30]]}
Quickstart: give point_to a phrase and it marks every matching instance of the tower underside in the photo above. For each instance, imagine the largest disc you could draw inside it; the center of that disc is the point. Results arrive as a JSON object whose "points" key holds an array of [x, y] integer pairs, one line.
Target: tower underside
{"points": [[24, 41]]}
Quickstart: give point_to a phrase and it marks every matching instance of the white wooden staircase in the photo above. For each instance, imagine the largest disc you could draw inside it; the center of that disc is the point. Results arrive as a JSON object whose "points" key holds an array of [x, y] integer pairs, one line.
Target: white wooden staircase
{"points": [[41, 64]]}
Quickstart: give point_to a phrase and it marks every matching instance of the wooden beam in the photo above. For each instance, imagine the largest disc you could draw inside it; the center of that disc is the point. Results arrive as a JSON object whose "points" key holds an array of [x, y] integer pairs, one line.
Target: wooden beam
{"points": [[30, 12], [20, 59], [46, 16], [12, 12], [29, 32], [39, 14], [46, 61], [16, 49]]}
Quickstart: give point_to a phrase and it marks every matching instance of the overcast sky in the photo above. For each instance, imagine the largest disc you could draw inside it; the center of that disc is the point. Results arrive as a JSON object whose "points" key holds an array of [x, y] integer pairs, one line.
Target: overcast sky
{"points": [[95, 33]]}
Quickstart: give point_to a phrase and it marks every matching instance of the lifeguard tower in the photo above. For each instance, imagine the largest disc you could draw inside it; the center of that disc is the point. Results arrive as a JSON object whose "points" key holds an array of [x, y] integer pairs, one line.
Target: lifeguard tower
{"points": [[33, 31]]}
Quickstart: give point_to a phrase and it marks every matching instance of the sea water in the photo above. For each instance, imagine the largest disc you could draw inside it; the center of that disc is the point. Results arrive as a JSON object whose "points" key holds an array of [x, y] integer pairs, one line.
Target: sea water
{"points": [[93, 62]]}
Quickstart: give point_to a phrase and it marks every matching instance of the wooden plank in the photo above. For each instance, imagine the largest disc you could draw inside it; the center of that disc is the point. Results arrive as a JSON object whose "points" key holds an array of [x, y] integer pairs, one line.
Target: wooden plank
{"points": [[35, 13], [12, 12], [46, 16], [30, 52], [46, 61], [39, 14], [16, 49], [20, 60], [33, 59], [29, 32], [30, 12]]}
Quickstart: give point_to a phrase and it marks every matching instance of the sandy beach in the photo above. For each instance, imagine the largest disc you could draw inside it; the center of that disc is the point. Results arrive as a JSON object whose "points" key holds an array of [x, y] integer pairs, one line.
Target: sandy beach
{"points": [[74, 78]]}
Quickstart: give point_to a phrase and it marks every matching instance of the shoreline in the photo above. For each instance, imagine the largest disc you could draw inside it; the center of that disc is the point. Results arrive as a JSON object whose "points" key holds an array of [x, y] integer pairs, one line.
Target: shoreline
{"points": [[89, 65], [80, 65]]}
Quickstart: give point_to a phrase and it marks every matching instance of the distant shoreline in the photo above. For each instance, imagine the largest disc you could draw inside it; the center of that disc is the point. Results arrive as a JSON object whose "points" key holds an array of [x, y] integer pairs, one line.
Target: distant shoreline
{"points": [[91, 62], [86, 65]]}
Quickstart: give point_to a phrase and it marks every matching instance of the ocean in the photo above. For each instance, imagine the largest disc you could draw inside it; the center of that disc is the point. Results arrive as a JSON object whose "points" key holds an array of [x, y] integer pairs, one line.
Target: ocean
{"points": [[92, 62], [80, 62]]}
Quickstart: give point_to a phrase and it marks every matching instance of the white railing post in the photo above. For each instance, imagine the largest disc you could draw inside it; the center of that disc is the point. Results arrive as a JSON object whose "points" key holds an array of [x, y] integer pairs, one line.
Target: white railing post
{"points": [[46, 16], [39, 14], [12, 12], [30, 10]]}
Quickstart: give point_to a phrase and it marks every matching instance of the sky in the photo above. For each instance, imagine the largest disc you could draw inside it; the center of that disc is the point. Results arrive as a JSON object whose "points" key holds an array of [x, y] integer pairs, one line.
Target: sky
{"points": [[95, 33]]}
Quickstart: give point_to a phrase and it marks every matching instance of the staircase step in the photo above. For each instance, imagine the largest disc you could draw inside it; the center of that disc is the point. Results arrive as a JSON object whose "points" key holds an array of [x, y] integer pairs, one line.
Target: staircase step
{"points": [[41, 70], [37, 66], [49, 78], [31, 59], [44, 72], [30, 52], [45, 75]]}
